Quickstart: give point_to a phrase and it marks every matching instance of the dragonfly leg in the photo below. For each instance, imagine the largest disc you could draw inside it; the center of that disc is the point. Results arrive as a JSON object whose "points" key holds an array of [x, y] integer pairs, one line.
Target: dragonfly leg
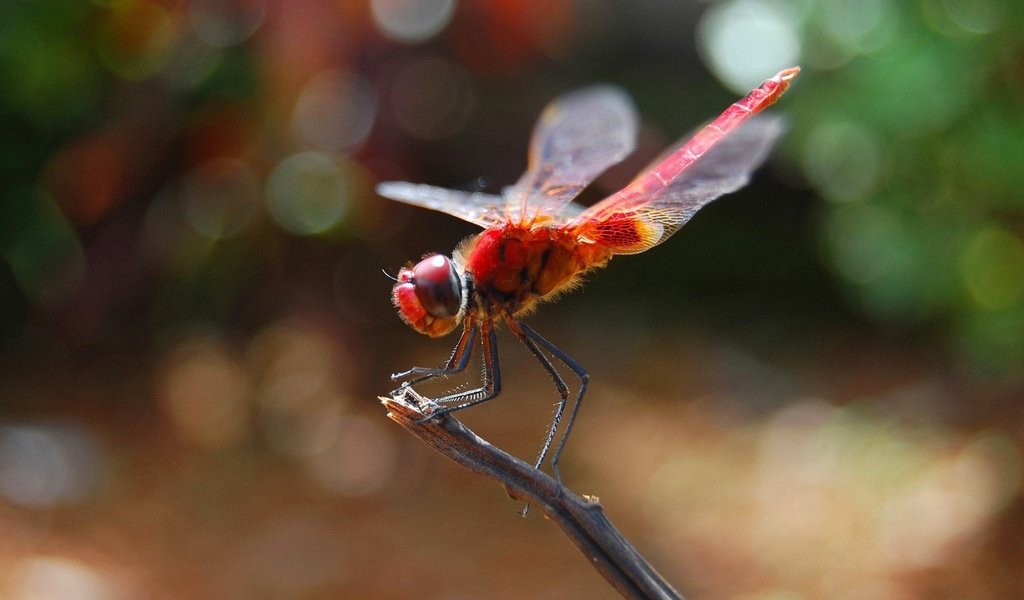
{"points": [[566, 360], [563, 390], [455, 365], [491, 385]]}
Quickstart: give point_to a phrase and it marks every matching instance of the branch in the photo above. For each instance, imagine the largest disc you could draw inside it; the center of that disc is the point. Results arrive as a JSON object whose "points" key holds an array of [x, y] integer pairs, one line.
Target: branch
{"points": [[580, 518]]}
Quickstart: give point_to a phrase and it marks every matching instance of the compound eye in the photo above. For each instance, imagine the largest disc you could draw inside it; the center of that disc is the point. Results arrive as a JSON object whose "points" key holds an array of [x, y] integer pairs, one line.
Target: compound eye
{"points": [[437, 286]]}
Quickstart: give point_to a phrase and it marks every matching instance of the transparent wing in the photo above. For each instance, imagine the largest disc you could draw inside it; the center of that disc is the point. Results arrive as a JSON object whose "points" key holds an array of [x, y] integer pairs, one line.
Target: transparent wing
{"points": [[476, 207], [715, 161], [577, 138], [642, 216]]}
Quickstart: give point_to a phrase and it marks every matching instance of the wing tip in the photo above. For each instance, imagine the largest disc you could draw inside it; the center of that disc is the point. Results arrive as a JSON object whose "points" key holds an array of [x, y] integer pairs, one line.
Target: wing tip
{"points": [[767, 129]]}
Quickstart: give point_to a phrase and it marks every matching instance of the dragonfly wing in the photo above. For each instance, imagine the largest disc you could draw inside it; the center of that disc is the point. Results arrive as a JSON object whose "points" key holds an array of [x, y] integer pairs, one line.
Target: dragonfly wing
{"points": [[577, 138], [637, 219], [476, 207]]}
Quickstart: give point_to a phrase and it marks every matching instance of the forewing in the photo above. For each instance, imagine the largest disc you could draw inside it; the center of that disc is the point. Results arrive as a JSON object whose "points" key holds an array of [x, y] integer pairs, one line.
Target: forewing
{"points": [[637, 219], [476, 207], [577, 138]]}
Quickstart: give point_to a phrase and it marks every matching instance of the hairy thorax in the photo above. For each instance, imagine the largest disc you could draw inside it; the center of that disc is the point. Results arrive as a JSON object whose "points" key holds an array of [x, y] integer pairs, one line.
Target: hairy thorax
{"points": [[513, 268]]}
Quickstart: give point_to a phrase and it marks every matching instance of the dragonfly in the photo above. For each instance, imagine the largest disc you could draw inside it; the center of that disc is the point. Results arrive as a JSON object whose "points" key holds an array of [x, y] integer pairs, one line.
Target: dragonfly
{"points": [[537, 243]]}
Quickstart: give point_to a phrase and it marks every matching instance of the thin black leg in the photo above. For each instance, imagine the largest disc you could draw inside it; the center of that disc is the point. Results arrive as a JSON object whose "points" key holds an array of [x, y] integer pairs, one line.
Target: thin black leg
{"points": [[584, 380], [491, 384], [490, 387], [563, 390], [455, 365]]}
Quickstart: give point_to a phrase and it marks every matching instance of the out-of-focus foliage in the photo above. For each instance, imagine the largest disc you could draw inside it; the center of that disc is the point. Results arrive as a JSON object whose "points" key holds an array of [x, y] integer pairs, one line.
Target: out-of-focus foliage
{"points": [[911, 125]]}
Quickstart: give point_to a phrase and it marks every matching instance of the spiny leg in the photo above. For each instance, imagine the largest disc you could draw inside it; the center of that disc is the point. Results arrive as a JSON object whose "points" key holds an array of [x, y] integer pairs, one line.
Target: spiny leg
{"points": [[491, 385], [455, 365], [563, 390], [584, 380]]}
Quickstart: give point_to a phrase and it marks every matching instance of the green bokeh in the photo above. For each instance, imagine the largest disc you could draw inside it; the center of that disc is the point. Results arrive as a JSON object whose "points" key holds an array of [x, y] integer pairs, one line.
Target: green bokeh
{"points": [[936, 238]]}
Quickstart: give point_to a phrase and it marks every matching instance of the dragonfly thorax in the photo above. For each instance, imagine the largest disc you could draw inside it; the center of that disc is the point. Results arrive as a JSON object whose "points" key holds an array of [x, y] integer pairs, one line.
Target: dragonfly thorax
{"points": [[513, 268]]}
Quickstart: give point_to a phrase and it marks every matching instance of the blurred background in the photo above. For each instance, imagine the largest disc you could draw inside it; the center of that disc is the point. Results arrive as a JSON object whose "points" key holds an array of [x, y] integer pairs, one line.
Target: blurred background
{"points": [[812, 391]]}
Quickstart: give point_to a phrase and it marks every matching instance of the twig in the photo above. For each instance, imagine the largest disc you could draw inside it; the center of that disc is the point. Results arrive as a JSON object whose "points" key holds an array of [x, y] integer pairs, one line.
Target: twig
{"points": [[580, 518]]}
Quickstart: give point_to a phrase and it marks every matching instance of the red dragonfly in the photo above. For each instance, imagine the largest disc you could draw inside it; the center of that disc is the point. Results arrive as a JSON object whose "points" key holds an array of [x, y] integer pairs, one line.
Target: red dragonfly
{"points": [[537, 243]]}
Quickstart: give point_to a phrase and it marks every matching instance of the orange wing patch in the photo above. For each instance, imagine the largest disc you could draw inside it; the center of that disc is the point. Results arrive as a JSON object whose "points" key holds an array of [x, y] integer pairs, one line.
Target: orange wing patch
{"points": [[622, 233]]}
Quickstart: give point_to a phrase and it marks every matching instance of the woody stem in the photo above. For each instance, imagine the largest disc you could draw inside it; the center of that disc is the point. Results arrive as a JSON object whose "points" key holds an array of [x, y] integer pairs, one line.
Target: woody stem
{"points": [[580, 518]]}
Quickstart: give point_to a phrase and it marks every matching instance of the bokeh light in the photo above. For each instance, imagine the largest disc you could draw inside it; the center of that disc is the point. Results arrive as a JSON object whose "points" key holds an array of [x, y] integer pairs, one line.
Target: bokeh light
{"points": [[48, 465], [58, 577], [843, 160], [864, 239], [204, 392], [894, 260], [355, 457], [192, 64], [412, 21], [137, 38], [303, 382], [223, 23], [97, 162], [335, 111], [46, 259], [742, 40], [966, 17], [863, 27], [47, 75], [309, 192], [220, 197], [993, 268]]}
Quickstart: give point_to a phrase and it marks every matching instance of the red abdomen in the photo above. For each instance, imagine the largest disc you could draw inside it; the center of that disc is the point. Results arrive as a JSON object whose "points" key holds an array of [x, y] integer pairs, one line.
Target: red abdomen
{"points": [[513, 267]]}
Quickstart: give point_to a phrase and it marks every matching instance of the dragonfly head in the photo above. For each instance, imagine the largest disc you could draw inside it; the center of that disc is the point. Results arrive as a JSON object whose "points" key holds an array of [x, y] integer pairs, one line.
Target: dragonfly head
{"points": [[430, 295]]}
